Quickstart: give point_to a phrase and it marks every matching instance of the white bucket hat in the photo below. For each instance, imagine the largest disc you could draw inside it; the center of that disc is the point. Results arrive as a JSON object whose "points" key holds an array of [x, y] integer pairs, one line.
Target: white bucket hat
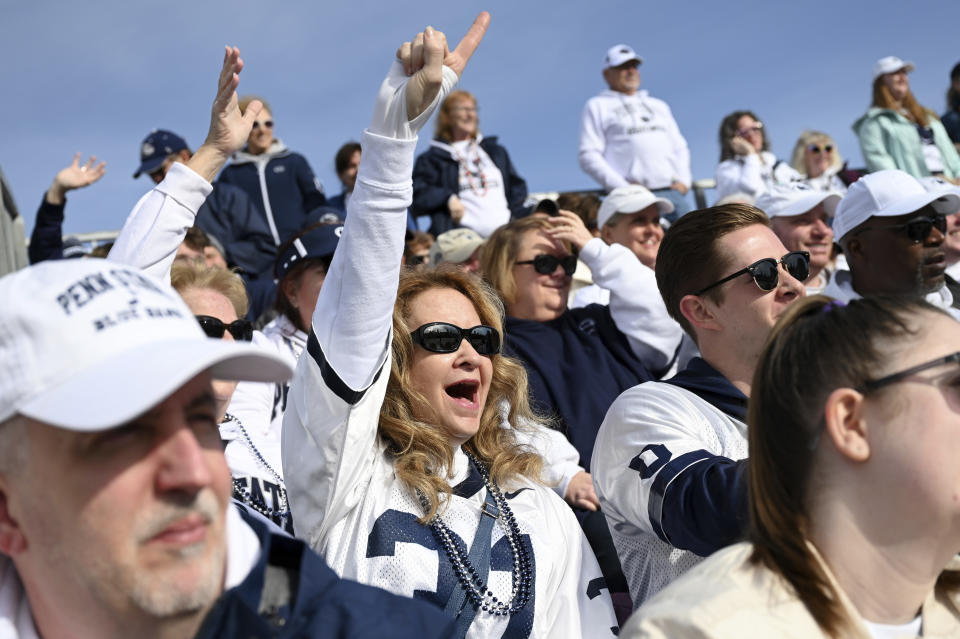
{"points": [[455, 245], [87, 345]]}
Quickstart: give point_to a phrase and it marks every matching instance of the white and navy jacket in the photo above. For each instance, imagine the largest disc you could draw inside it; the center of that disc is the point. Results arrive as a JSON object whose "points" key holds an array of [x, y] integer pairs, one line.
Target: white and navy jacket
{"points": [[668, 467], [347, 500]]}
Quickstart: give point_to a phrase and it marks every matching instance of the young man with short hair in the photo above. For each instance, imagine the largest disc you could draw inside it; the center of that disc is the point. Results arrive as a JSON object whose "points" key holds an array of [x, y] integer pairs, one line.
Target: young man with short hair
{"points": [[668, 461]]}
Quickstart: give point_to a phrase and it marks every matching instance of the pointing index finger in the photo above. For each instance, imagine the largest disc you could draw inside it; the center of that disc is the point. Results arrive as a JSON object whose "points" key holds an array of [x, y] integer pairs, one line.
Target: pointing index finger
{"points": [[474, 35]]}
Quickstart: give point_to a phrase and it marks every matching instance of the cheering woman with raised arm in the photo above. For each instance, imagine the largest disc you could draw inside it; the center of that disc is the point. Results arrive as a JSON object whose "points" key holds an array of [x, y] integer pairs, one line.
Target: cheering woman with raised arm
{"points": [[402, 464]]}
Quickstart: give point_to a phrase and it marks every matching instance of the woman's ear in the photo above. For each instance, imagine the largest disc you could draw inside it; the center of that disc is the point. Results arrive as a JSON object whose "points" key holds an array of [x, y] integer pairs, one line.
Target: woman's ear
{"points": [[845, 424]]}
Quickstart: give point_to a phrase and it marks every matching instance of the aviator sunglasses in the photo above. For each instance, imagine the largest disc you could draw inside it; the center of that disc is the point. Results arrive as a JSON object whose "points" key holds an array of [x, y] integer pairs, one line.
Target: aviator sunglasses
{"points": [[814, 148], [765, 273], [268, 124], [919, 228], [547, 264], [441, 337], [241, 329]]}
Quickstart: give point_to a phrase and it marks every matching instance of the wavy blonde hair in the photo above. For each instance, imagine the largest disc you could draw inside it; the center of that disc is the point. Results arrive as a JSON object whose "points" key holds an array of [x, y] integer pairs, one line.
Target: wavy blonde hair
{"points": [[421, 450], [884, 99]]}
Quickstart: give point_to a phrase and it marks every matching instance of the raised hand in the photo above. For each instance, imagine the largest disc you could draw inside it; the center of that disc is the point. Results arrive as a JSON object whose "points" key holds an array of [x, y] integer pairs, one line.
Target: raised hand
{"points": [[75, 176], [424, 73], [425, 57], [229, 129], [568, 227]]}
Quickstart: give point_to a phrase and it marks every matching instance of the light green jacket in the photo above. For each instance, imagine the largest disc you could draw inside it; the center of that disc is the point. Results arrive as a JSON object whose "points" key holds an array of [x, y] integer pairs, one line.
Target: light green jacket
{"points": [[890, 141]]}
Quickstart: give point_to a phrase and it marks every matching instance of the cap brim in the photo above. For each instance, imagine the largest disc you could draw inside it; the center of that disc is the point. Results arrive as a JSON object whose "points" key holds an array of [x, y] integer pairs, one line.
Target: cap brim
{"points": [[943, 202], [149, 167], [805, 204], [120, 388]]}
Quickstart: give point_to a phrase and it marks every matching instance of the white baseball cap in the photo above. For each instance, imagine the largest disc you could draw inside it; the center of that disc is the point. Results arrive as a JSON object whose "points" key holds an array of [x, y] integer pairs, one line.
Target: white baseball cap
{"points": [[630, 199], [890, 64], [886, 194], [931, 183], [618, 54], [455, 245], [87, 345], [796, 198]]}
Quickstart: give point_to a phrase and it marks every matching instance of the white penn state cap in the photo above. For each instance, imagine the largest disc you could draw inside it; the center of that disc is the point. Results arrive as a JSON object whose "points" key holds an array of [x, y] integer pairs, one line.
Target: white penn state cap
{"points": [[87, 345]]}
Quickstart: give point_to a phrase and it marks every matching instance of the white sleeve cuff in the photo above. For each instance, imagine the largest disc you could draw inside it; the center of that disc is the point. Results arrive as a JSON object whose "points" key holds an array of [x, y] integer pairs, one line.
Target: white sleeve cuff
{"points": [[185, 186]]}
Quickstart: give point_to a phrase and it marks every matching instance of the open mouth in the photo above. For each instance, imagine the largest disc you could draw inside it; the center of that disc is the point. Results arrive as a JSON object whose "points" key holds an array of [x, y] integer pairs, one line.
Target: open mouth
{"points": [[464, 393]]}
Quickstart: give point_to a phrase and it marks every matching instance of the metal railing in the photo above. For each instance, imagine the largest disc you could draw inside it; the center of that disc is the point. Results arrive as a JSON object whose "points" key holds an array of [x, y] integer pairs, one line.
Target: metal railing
{"points": [[699, 188]]}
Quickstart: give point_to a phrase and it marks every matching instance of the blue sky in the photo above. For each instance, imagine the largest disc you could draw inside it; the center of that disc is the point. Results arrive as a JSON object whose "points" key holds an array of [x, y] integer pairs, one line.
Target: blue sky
{"points": [[96, 77]]}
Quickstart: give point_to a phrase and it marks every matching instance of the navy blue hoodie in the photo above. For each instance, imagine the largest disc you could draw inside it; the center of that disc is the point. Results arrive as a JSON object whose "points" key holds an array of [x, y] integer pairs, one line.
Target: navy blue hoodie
{"points": [[291, 592]]}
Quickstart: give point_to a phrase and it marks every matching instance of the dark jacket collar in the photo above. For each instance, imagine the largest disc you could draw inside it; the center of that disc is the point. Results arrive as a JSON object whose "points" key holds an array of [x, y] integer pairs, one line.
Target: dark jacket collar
{"points": [[706, 382]]}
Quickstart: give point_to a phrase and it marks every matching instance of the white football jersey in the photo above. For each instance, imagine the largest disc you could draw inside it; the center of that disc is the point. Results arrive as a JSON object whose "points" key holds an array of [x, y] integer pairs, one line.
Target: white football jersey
{"points": [[351, 507], [651, 434]]}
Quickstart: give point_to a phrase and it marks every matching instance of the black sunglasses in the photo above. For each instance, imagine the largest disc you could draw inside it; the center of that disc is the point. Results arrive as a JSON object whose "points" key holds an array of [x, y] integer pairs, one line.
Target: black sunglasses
{"points": [[547, 264], [814, 148], [441, 337], [902, 375], [266, 123], [919, 228], [241, 329], [766, 274]]}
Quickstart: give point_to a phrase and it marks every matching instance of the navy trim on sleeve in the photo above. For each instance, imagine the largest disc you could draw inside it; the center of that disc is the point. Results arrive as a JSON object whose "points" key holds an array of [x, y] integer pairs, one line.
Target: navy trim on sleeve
{"points": [[698, 502], [330, 377]]}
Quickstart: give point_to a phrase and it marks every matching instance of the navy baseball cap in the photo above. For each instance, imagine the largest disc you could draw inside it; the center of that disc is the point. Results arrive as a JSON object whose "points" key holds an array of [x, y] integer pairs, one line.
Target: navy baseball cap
{"points": [[320, 242], [155, 149]]}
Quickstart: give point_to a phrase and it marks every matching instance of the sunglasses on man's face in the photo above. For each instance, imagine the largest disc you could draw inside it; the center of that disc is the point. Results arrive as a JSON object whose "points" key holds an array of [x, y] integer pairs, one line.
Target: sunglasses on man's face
{"points": [[766, 272], [241, 329], [266, 124], [546, 264], [814, 148], [441, 337], [919, 228]]}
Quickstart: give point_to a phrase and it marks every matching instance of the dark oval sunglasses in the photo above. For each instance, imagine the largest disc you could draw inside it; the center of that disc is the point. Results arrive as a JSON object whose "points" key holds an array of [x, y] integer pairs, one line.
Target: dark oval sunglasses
{"points": [[441, 337], [547, 264], [766, 274], [241, 329], [919, 228]]}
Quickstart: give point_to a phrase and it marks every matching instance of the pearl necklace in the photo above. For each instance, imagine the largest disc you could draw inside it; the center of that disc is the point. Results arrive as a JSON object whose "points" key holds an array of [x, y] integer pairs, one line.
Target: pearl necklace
{"points": [[280, 512], [477, 591]]}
